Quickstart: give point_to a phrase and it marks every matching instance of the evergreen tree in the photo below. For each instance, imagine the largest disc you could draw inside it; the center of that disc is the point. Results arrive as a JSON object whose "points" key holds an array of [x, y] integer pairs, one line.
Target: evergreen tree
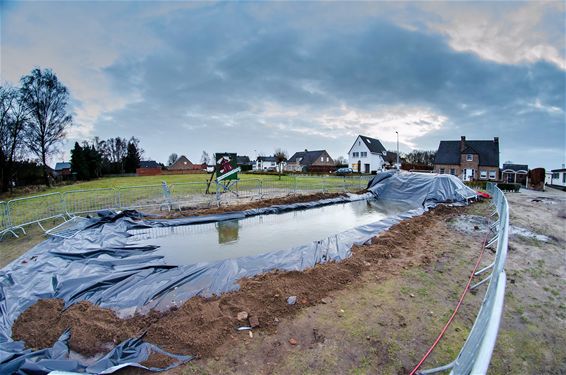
{"points": [[79, 164], [133, 158]]}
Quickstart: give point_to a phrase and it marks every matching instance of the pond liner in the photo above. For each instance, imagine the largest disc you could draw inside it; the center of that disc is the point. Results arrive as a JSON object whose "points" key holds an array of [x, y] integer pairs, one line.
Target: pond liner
{"points": [[99, 266]]}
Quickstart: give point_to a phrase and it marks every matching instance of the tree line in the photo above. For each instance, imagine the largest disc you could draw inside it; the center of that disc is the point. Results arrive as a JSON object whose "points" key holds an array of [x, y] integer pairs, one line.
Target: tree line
{"points": [[33, 121], [102, 157]]}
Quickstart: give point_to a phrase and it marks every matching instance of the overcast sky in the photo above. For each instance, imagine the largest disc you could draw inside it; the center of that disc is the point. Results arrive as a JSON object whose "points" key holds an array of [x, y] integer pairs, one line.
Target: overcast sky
{"points": [[251, 77]]}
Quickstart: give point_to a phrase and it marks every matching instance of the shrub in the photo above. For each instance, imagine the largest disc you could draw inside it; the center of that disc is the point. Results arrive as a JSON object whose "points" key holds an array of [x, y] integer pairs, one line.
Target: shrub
{"points": [[509, 187]]}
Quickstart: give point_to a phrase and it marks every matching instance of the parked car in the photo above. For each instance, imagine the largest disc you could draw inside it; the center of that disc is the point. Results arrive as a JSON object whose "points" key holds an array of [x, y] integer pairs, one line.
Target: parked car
{"points": [[344, 171]]}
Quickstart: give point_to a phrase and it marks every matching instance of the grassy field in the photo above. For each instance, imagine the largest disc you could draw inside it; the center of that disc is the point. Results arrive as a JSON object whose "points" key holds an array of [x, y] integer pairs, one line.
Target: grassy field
{"points": [[117, 182]]}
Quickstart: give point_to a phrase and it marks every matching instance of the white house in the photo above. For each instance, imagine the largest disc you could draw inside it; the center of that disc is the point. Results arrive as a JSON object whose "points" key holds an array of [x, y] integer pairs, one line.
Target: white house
{"points": [[558, 178], [367, 155], [266, 163]]}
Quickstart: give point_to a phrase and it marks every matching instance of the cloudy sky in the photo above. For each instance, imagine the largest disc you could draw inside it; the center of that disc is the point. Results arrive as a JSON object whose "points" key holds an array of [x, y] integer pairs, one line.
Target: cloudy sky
{"points": [[251, 77]]}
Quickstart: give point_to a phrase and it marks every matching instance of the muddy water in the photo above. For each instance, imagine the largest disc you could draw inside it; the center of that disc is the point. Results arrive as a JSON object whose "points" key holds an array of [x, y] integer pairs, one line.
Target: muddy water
{"points": [[260, 234]]}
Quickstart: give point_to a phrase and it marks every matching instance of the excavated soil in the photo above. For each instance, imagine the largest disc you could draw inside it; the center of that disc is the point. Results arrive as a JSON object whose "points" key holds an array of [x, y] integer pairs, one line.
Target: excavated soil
{"points": [[231, 207], [201, 325]]}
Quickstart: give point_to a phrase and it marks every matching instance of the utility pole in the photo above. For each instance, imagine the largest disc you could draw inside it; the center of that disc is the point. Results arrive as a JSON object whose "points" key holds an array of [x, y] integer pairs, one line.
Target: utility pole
{"points": [[397, 149]]}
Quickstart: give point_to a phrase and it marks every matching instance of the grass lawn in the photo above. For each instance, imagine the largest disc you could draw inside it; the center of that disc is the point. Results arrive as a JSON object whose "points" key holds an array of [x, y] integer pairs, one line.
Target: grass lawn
{"points": [[117, 182]]}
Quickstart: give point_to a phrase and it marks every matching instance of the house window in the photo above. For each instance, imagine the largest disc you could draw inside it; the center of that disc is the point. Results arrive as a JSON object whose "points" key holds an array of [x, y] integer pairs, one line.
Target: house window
{"points": [[483, 174], [555, 176], [453, 171], [322, 158], [492, 175], [355, 154], [441, 170], [364, 154], [563, 177], [327, 158], [469, 157]]}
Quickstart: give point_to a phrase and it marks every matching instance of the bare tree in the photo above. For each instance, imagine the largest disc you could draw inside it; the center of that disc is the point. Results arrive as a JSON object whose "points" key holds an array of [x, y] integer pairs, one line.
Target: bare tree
{"points": [[205, 159], [13, 116], [46, 100], [281, 157], [340, 160], [172, 158]]}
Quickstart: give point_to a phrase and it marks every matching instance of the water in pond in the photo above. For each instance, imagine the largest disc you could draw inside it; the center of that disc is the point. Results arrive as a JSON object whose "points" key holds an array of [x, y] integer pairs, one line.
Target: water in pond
{"points": [[260, 234]]}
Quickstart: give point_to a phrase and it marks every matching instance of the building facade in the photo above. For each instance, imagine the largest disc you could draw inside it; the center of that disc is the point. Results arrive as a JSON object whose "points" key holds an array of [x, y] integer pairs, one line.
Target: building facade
{"points": [[310, 161], [367, 155], [469, 159]]}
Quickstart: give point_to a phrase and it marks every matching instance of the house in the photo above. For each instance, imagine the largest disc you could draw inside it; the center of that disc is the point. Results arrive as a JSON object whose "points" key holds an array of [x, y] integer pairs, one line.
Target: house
{"points": [[181, 164], [244, 162], [515, 173], [265, 163], [367, 155], [558, 178], [310, 161], [469, 160], [62, 169], [184, 165], [148, 168]]}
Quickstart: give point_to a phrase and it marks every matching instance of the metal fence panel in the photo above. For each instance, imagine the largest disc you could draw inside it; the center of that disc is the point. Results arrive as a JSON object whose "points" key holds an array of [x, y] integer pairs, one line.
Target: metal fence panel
{"points": [[79, 202], [187, 194], [4, 218], [142, 196], [25, 211], [475, 355]]}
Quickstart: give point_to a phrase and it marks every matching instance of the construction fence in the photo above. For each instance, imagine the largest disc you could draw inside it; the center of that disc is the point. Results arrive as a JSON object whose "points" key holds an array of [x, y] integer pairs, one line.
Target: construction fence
{"points": [[475, 355], [18, 213]]}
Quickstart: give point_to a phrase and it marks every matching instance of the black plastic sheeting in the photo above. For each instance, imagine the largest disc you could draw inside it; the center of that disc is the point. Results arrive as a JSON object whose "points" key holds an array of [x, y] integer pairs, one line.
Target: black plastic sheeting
{"points": [[98, 265], [421, 189]]}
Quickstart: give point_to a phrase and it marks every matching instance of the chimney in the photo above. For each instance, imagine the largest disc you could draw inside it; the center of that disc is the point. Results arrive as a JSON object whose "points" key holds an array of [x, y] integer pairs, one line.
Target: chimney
{"points": [[306, 150], [496, 139], [462, 143]]}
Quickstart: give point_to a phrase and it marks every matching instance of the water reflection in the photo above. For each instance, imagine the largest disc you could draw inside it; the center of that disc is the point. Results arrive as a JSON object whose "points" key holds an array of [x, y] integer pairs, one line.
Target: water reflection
{"points": [[227, 231], [229, 239]]}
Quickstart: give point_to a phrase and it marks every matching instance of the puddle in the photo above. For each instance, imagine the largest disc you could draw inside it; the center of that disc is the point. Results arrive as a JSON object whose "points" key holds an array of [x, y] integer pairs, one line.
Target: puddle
{"points": [[524, 232], [260, 234]]}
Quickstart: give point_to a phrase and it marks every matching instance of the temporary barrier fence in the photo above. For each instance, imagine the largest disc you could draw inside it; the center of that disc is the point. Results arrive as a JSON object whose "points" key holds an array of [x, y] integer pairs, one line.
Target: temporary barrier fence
{"points": [[475, 355], [20, 212]]}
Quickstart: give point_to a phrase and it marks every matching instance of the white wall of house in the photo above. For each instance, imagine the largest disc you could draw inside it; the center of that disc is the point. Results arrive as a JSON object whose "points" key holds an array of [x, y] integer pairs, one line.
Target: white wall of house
{"points": [[261, 165], [548, 178], [360, 152], [558, 179]]}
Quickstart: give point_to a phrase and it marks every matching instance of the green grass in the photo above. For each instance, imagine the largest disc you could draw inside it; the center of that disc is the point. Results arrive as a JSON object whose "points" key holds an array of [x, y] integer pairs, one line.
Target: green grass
{"points": [[120, 182]]}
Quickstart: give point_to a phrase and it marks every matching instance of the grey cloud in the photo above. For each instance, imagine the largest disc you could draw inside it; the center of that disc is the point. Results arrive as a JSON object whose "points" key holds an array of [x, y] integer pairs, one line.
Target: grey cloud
{"points": [[219, 63]]}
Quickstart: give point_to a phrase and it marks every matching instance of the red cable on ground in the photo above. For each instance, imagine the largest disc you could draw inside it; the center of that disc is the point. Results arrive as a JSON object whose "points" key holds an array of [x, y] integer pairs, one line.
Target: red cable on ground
{"points": [[455, 310]]}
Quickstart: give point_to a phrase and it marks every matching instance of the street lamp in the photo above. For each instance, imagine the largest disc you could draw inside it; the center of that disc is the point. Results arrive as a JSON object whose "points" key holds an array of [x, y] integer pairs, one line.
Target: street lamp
{"points": [[397, 149]]}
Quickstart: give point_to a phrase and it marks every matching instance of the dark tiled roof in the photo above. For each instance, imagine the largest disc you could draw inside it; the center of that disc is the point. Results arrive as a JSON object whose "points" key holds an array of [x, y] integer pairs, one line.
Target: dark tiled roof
{"points": [[61, 166], [267, 158], [558, 170], [374, 145], [516, 167], [149, 164], [243, 159], [449, 152], [307, 157]]}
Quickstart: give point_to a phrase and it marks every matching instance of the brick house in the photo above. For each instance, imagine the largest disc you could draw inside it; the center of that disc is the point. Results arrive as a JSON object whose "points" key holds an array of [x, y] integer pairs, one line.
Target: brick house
{"points": [[183, 165], [148, 168], [469, 160], [310, 161]]}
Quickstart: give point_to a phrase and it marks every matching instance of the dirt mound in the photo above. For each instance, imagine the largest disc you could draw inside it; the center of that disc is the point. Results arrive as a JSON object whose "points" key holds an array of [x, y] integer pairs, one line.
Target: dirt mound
{"points": [[200, 325]]}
